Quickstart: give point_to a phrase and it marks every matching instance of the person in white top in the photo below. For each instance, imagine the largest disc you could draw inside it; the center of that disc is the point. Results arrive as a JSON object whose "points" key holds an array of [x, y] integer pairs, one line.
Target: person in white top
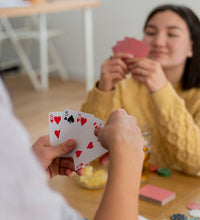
{"points": [[24, 170]]}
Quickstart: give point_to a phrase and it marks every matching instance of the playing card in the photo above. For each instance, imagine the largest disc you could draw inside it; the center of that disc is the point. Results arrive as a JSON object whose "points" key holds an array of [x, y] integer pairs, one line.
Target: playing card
{"points": [[156, 194], [120, 45], [62, 124], [55, 121], [138, 48], [133, 46], [79, 126], [75, 122], [114, 49], [88, 147]]}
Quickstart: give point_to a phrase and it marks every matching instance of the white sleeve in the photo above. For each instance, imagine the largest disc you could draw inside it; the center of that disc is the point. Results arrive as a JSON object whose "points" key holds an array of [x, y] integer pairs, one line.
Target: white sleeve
{"points": [[24, 192]]}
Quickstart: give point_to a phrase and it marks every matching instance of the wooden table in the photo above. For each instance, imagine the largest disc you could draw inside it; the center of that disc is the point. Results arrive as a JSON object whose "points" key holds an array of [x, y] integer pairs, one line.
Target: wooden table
{"points": [[41, 10], [187, 189]]}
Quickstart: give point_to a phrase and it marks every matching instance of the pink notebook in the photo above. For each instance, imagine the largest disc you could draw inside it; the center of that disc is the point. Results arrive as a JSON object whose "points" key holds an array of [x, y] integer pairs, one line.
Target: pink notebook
{"points": [[156, 194]]}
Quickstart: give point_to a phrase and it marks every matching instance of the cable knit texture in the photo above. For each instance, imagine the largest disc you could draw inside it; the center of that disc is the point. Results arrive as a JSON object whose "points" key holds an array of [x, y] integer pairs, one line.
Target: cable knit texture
{"points": [[173, 114]]}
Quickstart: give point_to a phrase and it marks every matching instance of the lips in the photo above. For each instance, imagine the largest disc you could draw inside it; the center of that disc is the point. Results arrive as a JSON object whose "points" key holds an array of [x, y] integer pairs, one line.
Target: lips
{"points": [[157, 53]]}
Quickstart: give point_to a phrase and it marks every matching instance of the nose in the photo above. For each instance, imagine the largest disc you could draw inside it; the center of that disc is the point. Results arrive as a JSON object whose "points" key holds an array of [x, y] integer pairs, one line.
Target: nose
{"points": [[159, 40]]}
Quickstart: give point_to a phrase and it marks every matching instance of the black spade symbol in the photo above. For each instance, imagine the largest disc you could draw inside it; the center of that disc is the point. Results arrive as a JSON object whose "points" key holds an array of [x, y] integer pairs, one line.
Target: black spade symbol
{"points": [[71, 119]]}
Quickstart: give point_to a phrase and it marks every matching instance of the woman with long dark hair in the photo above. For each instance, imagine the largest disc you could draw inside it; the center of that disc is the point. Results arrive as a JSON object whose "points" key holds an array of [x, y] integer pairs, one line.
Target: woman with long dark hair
{"points": [[162, 90]]}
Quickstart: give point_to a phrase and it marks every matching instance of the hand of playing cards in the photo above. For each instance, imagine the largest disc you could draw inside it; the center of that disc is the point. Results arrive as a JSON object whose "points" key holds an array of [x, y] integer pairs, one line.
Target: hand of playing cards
{"points": [[79, 126], [132, 46]]}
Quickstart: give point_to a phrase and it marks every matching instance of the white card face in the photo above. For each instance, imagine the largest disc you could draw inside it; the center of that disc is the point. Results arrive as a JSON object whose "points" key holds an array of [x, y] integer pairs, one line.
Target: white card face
{"points": [[79, 126], [55, 120]]}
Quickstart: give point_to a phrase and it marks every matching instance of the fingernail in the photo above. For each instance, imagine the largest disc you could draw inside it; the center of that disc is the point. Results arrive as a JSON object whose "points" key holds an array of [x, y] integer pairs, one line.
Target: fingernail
{"points": [[130, 55], [71, 143]]}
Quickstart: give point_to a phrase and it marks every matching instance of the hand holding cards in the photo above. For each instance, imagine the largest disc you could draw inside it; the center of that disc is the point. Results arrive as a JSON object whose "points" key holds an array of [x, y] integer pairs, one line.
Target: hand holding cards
{"points": [[125, 142], [131, 45], [79, 126]]}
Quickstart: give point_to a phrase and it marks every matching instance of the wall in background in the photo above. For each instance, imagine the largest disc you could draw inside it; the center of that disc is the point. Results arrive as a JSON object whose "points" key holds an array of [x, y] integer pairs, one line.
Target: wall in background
{"points": [[114, 20]]}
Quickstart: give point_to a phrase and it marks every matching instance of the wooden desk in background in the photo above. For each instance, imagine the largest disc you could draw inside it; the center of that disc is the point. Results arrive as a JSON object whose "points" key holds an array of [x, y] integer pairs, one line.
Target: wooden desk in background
{"points": [[42, 9], [187, 189]]}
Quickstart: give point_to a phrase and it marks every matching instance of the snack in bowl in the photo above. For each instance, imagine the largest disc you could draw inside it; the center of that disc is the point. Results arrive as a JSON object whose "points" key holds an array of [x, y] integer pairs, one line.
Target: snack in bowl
{"points": [[93, 178]]}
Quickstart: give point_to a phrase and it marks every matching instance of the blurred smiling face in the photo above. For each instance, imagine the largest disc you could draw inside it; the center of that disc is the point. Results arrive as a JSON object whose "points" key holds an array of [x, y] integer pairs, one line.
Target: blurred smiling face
{"points": [[168, 37]]}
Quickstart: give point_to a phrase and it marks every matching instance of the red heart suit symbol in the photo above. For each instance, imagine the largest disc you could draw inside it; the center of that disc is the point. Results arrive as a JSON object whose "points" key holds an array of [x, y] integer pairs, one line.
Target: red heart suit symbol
{"points": [[79, 166], [90, 145], [83, 121], [57, 133], [78, 153], [57, 119]]}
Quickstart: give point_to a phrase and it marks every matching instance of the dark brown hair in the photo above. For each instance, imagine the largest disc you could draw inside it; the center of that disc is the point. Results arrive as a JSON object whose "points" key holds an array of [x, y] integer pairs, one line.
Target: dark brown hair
{"points": [[191, 75]]}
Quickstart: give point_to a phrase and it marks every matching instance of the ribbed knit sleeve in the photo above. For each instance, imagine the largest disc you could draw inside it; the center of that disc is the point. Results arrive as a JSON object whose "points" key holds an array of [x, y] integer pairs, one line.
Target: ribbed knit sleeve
{"points": [[179, 128], [99, 103]]}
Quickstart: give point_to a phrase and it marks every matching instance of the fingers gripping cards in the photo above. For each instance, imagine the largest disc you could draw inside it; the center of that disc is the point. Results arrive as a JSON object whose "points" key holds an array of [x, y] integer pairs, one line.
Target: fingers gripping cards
{"points": [[79, 126]]}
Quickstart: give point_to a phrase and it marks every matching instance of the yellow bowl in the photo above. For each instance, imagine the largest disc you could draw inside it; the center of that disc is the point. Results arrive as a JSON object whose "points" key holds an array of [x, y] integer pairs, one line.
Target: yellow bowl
{"points": [[93, 178]]}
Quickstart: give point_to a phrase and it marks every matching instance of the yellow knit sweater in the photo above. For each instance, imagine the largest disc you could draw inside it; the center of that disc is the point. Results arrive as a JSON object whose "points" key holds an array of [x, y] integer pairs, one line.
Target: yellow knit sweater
{"points": [[173, 114]]}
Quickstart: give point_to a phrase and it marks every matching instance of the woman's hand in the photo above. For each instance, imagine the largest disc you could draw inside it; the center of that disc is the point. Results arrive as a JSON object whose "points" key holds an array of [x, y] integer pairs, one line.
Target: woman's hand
{"points": [[148, 72], [113, 70]]}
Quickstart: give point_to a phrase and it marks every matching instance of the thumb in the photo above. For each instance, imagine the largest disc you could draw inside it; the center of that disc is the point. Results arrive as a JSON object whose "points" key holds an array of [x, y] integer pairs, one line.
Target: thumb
{"points": [[63, 148], [100, 133]]}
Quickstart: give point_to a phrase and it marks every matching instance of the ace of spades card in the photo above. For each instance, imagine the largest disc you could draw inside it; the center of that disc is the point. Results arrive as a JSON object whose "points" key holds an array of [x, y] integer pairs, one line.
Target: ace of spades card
{"points": [[79, 126]]}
